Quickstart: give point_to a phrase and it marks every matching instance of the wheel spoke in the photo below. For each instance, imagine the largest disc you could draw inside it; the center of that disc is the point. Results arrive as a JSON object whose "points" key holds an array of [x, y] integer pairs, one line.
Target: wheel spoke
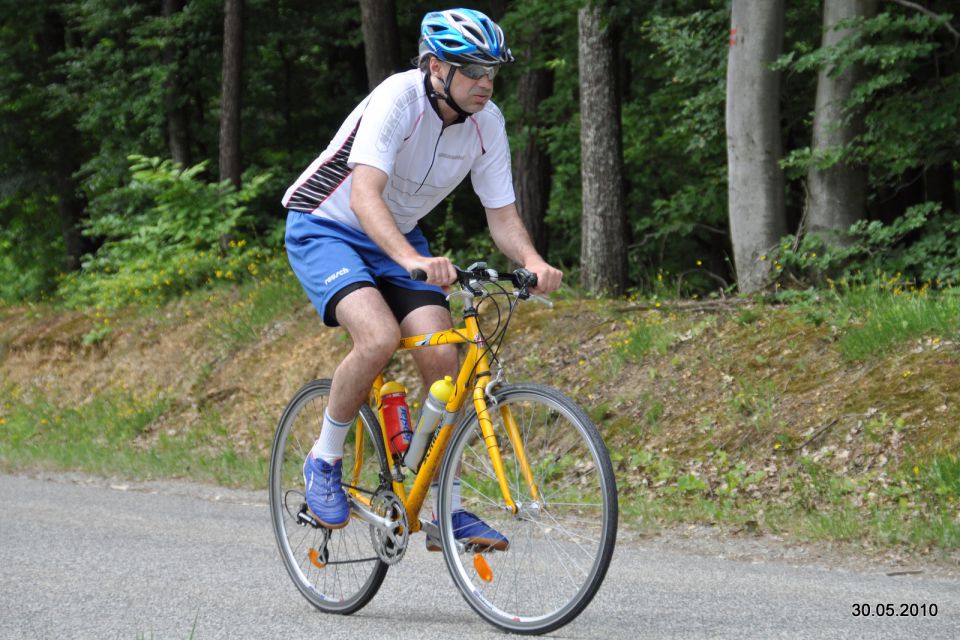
{"points": [[558, 551], [352, 573]]}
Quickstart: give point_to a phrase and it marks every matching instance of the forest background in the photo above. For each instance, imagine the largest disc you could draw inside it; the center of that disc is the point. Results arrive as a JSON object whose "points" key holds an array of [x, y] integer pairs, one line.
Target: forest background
{"points": [[677, 153], [117, 116]]}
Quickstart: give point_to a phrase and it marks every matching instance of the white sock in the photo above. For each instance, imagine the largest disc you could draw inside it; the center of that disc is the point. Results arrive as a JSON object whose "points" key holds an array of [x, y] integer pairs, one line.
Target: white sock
{"points": [[329, 446], [455, 504]]}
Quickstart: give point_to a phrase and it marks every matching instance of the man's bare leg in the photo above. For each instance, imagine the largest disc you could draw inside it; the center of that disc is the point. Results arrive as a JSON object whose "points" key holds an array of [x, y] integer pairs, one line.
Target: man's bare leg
{"points": [[375, 335], [433, 362]]}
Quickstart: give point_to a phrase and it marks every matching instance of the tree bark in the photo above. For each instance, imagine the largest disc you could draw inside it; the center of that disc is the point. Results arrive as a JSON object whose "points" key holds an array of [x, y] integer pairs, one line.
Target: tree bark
{"points": [[837, 195], [531, 163], [230, 159], [178, 130], [65, 157], [756, 182], [603, 262], [381, 39]]}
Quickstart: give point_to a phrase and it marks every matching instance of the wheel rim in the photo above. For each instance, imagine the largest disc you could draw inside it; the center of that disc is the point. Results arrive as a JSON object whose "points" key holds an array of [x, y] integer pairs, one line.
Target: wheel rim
{"points": [[336, 570], [560, 545]]}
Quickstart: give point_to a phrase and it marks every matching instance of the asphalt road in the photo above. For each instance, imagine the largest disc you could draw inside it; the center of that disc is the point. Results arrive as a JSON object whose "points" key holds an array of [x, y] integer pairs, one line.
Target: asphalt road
{"points": [[84, 560]]}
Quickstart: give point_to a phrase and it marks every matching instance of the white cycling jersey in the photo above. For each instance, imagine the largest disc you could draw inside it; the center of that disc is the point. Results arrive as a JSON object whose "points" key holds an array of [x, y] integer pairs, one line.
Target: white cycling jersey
{"points": [[397, 130]]}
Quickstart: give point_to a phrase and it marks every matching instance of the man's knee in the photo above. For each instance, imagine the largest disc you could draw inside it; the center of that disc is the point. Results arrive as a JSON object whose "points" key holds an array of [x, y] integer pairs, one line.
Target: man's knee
{"points": [[448, 358], [378, 344]]}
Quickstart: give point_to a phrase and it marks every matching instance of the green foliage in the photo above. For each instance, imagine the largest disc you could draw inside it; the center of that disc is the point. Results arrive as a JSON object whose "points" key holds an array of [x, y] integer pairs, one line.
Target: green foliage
{"points": [[31, 250], [674, 145], [910, 115], [547, 32], [923, 245], [165, 233], [83, 83]]}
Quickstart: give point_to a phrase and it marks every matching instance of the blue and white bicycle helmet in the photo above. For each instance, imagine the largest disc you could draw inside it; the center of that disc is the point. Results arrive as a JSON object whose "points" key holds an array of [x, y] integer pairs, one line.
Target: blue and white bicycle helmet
{"points": [[463, 36]]}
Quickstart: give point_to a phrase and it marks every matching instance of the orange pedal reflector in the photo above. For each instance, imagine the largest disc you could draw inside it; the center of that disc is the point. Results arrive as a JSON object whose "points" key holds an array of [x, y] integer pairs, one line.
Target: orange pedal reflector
{"points": [[483, 569], [315, 559]]}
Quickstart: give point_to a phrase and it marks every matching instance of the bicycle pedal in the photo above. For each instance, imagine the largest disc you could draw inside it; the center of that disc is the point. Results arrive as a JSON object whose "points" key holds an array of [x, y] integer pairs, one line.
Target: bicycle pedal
{"points": [[480, 548], [305, 518]]}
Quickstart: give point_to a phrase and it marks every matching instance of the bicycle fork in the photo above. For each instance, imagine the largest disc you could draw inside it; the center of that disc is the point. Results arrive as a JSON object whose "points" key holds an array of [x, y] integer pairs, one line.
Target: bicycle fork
{"points": [[493, 448]]}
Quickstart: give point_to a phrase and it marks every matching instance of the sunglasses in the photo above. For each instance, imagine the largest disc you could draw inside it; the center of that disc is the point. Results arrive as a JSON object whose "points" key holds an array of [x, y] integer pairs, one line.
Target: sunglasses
{"points": [[476, 71]]}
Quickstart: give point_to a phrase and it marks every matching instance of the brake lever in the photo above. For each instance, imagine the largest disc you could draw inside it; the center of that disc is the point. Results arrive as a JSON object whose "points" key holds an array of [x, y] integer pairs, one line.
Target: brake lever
{"points": [[536, 298], [460, 293]]}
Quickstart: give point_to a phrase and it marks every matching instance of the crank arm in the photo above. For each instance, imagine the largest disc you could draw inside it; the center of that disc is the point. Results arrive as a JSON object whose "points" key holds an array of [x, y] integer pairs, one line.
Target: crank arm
{"points": [[433, 531], [364, 513]]}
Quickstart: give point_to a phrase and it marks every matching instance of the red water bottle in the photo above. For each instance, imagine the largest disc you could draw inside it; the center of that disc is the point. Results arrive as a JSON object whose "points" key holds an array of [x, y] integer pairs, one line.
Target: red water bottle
{"points": [[396, 416]]}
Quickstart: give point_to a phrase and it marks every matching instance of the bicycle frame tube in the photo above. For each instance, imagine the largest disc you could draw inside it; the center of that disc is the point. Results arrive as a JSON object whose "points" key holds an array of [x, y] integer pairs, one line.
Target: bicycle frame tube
{"points": [[475, 368], [428, 468]]}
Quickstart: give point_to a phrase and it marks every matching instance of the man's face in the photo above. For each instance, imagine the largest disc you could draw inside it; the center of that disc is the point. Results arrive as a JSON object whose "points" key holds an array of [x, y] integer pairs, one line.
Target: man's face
{"points": [[471, 95]]}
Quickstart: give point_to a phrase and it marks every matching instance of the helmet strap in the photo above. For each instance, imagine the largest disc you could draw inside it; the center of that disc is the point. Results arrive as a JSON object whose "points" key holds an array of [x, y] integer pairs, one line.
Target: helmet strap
{"points": [[434, 94]]}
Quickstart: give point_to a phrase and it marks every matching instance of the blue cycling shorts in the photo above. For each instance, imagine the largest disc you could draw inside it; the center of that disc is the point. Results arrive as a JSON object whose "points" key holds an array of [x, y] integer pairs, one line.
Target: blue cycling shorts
{"points": [[330, 259]]}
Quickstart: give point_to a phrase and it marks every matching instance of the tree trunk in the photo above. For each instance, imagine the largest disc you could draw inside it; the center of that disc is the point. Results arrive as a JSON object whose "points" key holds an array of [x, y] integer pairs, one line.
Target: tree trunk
{"points": [[603, 263], [940, 181], [71, 209], [837, 195], [178, 131], [531, 163], [65, 157], [232, 77], [756, 183], [381, 39]]}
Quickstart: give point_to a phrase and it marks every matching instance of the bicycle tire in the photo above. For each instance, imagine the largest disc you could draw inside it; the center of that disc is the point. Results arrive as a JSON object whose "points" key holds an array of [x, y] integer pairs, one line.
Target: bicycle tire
{"points": [[558, 555], [352, 573]]}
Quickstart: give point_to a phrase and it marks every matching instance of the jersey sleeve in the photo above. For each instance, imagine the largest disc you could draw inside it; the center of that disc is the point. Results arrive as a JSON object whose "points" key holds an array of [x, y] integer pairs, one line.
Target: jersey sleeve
{"points": [[492, 173], [383, 122]]}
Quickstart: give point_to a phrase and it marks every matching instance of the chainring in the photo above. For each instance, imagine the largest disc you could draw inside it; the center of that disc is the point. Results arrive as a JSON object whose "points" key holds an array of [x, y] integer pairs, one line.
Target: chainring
{"points": [[390, 543]]}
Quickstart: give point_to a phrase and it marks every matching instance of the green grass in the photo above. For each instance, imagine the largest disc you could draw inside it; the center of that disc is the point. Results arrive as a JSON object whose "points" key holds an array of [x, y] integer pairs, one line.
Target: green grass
{"points": [[674, 466], [640, 338], [110, 436], [916, 511], [878, 321], [254, 307]]}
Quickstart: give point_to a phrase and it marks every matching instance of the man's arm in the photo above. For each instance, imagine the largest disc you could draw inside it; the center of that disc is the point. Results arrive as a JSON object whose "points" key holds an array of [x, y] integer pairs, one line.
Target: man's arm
{"points": [[366, 200], [511, 237]]}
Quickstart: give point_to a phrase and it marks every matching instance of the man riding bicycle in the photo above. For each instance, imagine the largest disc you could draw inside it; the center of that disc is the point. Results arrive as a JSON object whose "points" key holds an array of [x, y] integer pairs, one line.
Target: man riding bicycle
{"points": [[352, 236]]}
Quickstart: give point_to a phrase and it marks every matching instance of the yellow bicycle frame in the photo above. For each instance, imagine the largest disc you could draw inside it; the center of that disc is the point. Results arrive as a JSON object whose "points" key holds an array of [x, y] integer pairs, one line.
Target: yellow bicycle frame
{"points": [[473, 378]]}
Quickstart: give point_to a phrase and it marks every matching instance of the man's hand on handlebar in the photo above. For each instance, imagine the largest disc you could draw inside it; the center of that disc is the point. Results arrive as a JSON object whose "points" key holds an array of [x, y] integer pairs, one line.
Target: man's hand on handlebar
{"points": [[548, 278], [438, 271]]}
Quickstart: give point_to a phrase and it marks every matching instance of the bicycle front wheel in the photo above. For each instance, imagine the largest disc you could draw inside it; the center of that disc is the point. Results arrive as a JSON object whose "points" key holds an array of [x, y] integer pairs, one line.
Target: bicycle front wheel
{"points": [[561, 537], [338, 570]]}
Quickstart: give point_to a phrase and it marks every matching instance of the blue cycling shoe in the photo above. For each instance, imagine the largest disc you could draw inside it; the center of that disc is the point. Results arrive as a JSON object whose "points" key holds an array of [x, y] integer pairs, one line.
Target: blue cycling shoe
{"points": [[469, 529], [324, 493]]}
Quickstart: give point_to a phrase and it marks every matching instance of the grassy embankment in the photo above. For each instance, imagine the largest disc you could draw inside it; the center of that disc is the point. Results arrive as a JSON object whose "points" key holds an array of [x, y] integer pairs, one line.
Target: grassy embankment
{"points": [[829, 417]]}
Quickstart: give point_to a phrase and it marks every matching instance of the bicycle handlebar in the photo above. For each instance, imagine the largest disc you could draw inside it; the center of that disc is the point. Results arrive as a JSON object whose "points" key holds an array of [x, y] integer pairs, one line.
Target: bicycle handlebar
{"points": [[521, 278]]}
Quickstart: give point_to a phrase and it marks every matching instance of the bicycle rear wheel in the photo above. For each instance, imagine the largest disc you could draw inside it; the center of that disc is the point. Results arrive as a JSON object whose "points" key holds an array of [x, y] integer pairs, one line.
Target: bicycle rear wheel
{"points": [[562, 537], [338, 571]]}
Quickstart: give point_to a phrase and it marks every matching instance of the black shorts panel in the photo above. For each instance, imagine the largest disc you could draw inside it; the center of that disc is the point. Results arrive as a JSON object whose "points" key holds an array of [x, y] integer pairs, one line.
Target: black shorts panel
{"points": [[400, 300]]}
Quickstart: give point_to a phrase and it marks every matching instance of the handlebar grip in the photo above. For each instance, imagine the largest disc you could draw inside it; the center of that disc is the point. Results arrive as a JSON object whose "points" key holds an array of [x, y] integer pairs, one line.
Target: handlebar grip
{"points": [[525, 278], [419, 275]]}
